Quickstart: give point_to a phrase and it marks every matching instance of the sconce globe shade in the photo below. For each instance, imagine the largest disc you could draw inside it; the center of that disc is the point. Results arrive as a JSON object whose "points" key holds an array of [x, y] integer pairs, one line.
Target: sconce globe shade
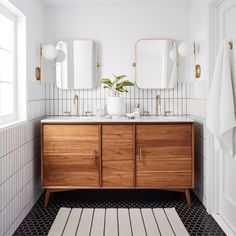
{"points": [[49, 52], [61, 55], [172, 55], [185, 49]]}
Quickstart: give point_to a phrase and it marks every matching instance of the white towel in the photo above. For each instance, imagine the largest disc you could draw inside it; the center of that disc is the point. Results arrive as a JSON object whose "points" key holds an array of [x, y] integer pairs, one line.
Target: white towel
{"points": [[220, 108]]}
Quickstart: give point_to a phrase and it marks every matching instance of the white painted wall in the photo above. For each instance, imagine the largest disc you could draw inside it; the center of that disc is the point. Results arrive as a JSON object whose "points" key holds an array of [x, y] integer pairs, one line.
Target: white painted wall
{"points": [[199, 31], [19, 144], [116, 30]]}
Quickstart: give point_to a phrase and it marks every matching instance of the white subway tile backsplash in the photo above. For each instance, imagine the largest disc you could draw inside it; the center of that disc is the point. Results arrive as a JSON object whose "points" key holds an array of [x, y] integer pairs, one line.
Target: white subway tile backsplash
{"points": [[58, 101], [198, 108]]}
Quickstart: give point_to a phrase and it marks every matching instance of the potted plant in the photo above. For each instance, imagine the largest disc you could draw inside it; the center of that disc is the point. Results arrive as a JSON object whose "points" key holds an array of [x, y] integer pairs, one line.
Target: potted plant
{"points": [[115, 103]]}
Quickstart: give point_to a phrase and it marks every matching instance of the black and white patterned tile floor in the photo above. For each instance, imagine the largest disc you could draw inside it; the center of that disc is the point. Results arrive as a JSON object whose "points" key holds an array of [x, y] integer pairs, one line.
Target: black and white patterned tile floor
{"points": [[196, 219]]}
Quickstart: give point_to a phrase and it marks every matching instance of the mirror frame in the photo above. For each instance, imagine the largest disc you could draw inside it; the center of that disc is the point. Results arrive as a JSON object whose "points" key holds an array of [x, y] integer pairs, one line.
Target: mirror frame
{"points": [[96, 62], [135, 63]]}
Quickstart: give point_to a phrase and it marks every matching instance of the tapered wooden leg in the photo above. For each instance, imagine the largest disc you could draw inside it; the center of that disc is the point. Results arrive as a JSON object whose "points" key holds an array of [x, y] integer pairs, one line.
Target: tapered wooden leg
{"points": [[187, 195], [47, 197]]}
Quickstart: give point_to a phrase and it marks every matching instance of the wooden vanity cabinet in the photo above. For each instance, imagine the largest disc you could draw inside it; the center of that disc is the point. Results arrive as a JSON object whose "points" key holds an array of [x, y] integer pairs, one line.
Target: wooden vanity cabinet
{"points": [[119, 155], [164, 156], [71, 156]]}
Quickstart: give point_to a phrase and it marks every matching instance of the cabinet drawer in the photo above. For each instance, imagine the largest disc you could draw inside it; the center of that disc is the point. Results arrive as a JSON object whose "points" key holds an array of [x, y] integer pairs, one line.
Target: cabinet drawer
{"points": [[117, 173], [162, 179], [117, 133]]}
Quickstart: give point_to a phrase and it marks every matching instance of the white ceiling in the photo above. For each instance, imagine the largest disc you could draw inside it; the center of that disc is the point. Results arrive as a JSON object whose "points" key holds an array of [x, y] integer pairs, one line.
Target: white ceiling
{"points": [[114, 2]]}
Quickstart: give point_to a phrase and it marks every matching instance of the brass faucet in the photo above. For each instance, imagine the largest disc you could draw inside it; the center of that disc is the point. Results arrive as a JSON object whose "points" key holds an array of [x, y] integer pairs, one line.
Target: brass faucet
{"points": [[88, 113], [67, 113], [158, 103], [76, 100]]}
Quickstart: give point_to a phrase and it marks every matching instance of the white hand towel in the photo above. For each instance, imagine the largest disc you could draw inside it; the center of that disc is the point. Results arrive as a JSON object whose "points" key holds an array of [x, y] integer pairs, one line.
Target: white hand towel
{"points": [[220, 108]]}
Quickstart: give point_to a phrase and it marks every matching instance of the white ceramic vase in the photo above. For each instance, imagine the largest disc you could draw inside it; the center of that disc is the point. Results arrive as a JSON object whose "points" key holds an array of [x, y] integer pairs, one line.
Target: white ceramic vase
{"points": [[116, 106]]}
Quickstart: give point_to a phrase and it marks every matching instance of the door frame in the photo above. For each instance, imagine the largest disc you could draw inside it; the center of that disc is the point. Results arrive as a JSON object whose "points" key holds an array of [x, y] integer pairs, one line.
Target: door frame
{"points": [[216, 12]]}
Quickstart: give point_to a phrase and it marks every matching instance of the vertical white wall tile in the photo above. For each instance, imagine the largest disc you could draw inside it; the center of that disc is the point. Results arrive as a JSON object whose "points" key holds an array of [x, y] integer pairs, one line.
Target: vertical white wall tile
{"points": [[16, 166]]}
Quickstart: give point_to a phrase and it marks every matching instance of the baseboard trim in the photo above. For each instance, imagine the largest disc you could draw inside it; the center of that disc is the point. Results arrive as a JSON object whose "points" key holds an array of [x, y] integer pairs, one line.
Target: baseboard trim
{"points": [[225, 227]]}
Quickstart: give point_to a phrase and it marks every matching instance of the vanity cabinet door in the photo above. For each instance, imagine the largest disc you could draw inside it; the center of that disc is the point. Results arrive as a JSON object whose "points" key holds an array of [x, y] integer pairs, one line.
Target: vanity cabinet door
{"points": [[164, 156], [70, 155], [117, 156]]}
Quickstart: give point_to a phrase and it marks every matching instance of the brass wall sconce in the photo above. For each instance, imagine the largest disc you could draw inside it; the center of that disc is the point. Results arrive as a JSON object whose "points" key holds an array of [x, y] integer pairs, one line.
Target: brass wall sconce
{"points": [[38, 73], [49, 52], [185, 49], [198, 71]]}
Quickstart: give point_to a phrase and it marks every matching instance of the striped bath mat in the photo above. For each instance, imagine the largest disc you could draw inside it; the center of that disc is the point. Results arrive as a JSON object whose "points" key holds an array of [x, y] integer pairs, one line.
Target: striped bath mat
{"points": [[114, 222]]}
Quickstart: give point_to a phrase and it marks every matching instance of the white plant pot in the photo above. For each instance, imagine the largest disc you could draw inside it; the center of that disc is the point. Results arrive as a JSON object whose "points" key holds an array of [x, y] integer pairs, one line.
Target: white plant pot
{"points": [[115, 106]]}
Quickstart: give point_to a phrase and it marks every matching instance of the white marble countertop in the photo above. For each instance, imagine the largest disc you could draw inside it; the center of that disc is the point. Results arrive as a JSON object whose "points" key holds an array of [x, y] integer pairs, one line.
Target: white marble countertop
{"points": [[95, 119]]}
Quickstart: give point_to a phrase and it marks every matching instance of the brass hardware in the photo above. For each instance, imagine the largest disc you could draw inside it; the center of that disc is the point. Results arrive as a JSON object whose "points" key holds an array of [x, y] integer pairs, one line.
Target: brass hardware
{"points": [[118, 151], [231, 45], [134, 64], [140, 154], [98, 65], [38, 73], [95, 156], [88, 113], [67, 113], [198, 71], [158, 102], [76, 100], [167, 112], [146, 113]]}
